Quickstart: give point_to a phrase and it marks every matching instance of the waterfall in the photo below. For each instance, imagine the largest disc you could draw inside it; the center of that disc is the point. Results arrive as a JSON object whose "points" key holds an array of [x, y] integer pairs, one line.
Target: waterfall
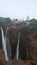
{"points": [[4, 45], [17, 49], [8, 45]]}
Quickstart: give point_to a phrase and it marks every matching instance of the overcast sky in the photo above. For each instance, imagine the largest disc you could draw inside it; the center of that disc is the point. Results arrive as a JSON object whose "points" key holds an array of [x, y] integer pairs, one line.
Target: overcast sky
{"points": [[18, 8]]}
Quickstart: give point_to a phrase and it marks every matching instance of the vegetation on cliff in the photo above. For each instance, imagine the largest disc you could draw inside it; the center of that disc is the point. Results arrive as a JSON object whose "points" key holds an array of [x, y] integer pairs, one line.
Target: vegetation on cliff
{"points": [[28, 38]]}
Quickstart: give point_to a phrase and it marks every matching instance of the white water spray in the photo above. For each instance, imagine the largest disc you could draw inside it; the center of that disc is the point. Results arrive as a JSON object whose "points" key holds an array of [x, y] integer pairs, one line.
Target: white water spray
{"points": [[4, 45]]}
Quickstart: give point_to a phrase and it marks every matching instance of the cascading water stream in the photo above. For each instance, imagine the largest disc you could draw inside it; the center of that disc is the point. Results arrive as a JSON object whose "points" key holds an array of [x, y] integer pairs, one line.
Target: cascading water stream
{"points": [[8, 44], [17, 49], [4, 45]]}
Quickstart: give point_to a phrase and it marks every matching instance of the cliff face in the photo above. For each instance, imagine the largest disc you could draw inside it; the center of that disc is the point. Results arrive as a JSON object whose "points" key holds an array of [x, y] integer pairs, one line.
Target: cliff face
{"points": [[33, 45], [13, 36], [28, 43]]}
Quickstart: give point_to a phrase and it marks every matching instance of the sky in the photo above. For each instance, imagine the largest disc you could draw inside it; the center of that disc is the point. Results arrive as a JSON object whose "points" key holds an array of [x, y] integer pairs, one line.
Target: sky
{"points": [[18, 8]]}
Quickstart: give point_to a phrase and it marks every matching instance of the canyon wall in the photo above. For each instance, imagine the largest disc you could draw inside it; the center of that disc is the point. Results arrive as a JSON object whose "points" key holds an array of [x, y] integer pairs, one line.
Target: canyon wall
{"points": [[28, 43]]}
